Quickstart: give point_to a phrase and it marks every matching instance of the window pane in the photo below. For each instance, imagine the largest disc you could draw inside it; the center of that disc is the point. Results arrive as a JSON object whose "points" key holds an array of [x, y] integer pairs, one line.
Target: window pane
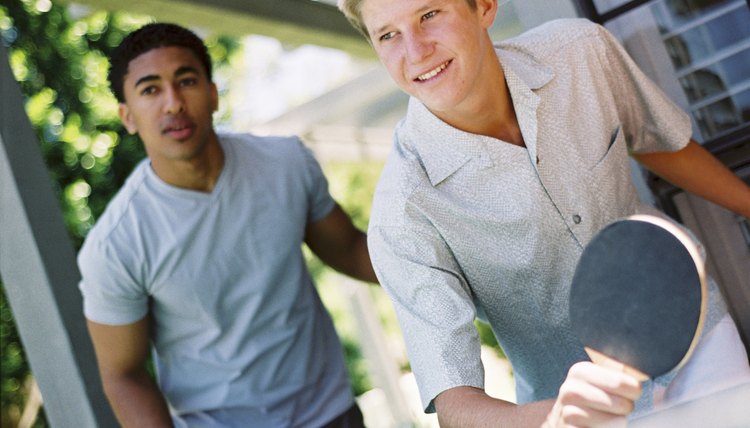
{"points": [[724, 115], [681, 12], [719, 33], [718, 77], [706, 48], [604, 6]]}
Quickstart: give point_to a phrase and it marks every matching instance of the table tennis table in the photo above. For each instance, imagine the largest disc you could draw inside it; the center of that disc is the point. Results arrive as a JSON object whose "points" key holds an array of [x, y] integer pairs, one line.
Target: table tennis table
{"points": [[728, 408]]}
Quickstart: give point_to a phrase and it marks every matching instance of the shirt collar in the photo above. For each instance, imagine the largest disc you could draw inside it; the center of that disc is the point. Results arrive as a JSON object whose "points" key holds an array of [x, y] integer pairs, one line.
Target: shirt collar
{"points": [[442, 148], [533, 73]]}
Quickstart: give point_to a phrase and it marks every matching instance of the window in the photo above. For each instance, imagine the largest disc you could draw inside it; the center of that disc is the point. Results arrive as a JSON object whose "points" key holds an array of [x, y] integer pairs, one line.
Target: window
{"points": [[707, 43]]}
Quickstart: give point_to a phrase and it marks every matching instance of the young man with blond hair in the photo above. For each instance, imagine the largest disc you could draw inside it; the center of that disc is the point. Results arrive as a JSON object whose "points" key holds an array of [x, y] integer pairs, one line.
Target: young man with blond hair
{"points": [[510, 158]]}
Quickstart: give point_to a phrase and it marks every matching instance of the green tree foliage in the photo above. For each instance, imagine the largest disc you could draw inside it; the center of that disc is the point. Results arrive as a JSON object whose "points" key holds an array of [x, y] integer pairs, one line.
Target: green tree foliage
{"points": [[14, 369], [60, 65]]}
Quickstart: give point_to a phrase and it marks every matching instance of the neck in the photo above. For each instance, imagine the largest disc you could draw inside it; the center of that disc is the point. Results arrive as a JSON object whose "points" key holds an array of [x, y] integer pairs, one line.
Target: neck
{"points": [[491, 113], [502, 122], [200, 172], [498, 120]]}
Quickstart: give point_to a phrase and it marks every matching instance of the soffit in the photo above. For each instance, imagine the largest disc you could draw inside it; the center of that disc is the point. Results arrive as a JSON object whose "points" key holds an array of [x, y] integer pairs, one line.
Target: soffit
{"points": [[294, 22]]}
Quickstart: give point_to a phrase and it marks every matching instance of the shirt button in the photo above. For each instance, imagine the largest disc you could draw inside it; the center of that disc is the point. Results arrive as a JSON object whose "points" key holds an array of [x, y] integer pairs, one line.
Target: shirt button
{"points": [[576, 219], [537, 160]]}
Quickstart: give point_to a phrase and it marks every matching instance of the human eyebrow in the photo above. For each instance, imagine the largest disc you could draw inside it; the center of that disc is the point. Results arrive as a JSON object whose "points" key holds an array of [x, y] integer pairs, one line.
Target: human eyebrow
{"points": [[377, 32], [179, 72], [419, 11], [186, 69], [145, 79]]}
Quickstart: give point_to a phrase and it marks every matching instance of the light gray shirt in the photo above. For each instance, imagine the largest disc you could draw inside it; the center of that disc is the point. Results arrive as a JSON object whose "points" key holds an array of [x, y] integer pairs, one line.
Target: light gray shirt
{"points": [[465, 225], [241, 337]]}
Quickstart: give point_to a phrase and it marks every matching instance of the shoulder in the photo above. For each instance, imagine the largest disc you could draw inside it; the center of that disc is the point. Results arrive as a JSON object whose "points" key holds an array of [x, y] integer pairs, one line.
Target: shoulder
{"points": [[122, 205], [259, 145], [113, 231], [263, 152], [404, 166], [558, 32], [556, 35], [282, 164], [402, 176]]}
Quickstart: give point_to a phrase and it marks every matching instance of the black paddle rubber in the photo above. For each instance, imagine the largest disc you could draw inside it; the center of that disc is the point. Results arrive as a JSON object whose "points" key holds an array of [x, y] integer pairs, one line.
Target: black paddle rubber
{"points": [[637, 296]]}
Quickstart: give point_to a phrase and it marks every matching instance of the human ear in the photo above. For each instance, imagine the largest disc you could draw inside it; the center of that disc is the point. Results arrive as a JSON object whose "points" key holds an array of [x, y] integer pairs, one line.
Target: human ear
{"points": [[127, 119], [214, 98], [487, 10]]}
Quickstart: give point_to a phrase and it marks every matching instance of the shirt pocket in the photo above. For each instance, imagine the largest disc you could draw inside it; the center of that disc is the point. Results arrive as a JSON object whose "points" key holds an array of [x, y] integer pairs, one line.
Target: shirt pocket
{"points": [[610, 182], [615, 151]]}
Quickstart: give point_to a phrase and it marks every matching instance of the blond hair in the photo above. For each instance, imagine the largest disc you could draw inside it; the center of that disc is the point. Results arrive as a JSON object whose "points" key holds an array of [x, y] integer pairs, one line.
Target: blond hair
{"points": [[352, 9]]}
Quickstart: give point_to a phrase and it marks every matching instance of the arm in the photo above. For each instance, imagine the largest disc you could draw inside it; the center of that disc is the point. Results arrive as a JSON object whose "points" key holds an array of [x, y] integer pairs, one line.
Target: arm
{"points": [[121, 354], [658, 126], [697, 171], [465, 406], [341, 245], [592, 395]]}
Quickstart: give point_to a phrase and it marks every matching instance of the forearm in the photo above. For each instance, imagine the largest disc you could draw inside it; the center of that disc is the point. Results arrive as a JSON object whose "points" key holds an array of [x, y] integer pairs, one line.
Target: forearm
{"points": [[137, 401], [340, 245], [697, 171], [468, 407], [359, 265]]}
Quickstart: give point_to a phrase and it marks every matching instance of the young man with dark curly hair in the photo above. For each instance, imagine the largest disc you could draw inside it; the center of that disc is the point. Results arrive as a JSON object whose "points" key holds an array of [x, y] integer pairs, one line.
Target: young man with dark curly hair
{"points": [[198, 257]]}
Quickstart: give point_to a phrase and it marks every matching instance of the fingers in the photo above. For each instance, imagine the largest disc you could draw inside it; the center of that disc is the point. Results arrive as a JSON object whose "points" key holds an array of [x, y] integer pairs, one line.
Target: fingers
{"points": [[596, 396], [593, 419], [599, 378]]}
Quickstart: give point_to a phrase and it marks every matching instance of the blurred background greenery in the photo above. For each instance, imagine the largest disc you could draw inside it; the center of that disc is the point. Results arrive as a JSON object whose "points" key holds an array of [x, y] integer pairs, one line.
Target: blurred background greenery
{"points": [[60, 63]]}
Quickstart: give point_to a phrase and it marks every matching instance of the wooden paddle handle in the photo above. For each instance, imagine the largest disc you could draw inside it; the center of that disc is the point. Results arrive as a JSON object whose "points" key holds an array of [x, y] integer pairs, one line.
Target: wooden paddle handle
{"points": [[605, 361]]}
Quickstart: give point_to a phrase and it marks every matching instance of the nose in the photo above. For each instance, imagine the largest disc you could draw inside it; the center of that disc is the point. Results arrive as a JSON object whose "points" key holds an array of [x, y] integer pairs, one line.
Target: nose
{"points": [[418, 46], [173, 101]]}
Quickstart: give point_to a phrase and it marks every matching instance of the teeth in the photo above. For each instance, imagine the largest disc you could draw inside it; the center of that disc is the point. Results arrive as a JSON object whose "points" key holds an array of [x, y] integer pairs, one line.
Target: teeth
{"points": [[433, 73]]}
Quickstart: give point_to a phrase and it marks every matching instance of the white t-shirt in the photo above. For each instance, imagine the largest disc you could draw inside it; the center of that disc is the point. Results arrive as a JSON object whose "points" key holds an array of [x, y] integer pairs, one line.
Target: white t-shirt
{"points": [[241, 337]]}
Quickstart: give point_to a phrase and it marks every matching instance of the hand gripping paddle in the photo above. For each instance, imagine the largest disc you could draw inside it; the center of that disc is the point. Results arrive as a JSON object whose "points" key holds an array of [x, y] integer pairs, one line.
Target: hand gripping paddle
{"points": [[639, 296]]}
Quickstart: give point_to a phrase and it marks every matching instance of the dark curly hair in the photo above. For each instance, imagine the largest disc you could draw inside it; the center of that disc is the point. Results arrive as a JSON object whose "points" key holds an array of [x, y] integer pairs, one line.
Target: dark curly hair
{"points": [[146, 38]]}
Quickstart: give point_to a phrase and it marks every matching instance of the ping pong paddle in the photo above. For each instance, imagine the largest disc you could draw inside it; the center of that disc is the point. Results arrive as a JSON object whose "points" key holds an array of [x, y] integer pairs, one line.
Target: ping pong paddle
{"points": [[639, 296]]}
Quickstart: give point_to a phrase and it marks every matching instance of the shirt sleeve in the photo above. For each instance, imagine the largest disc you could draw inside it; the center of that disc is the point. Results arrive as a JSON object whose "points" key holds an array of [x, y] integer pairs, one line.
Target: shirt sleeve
{"points": [[433, 304], [111, 295], [652, 122], [321, 202]]}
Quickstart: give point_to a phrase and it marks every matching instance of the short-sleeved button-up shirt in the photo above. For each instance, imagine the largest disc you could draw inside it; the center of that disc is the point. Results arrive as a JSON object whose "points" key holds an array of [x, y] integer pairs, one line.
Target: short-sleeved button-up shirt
{"points": [[466, 225]]}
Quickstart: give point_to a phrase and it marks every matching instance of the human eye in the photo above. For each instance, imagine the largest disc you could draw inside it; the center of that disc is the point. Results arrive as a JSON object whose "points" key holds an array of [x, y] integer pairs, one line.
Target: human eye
{"points": [[148, 90], [188, 81], [429, 15], [387, 36]]}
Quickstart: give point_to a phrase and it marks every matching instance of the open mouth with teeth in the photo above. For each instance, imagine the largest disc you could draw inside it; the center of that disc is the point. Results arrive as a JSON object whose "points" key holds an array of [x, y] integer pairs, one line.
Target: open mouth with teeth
{"points": [[432, 73]]}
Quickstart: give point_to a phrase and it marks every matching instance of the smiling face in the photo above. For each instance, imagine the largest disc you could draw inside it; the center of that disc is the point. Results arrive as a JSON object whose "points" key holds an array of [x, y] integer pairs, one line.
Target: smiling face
{"points": [[437, 51], [169, 102]]}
